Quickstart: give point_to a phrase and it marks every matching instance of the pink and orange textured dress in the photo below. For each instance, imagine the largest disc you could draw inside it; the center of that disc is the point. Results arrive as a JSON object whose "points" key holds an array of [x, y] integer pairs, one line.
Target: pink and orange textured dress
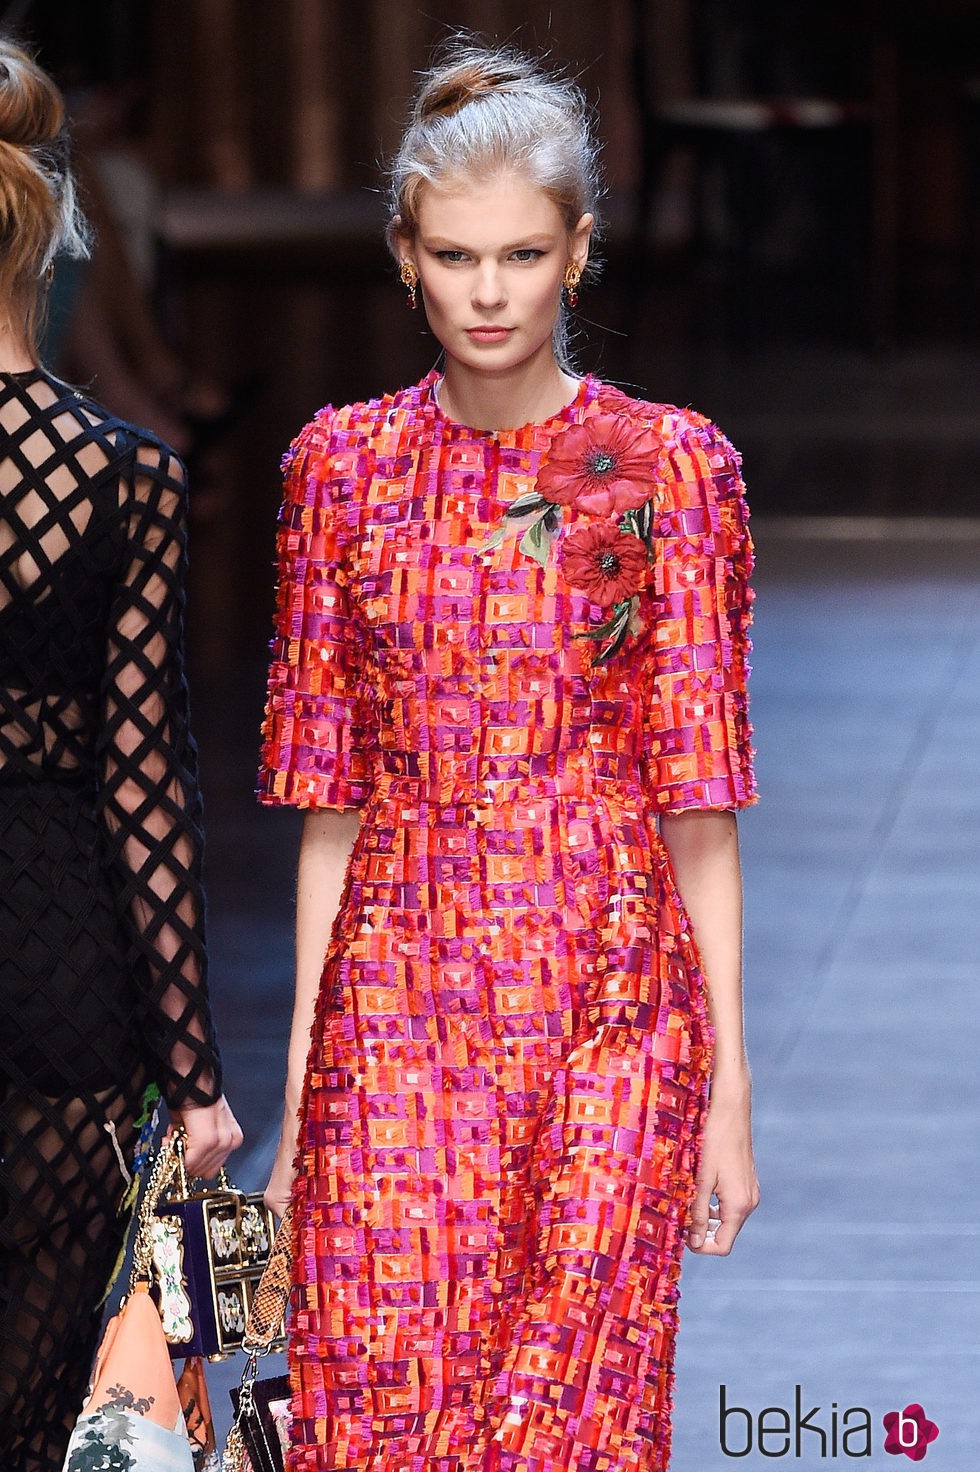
{"points": [[510, 1059]]}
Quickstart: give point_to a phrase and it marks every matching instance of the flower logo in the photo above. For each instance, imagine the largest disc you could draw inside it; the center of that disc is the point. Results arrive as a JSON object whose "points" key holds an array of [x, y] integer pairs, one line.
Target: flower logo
{"points": [[909, 1431]]}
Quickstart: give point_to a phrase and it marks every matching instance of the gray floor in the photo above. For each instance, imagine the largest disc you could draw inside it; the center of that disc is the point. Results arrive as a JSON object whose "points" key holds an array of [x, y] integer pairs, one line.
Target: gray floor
{"points": [[857, 1279]]}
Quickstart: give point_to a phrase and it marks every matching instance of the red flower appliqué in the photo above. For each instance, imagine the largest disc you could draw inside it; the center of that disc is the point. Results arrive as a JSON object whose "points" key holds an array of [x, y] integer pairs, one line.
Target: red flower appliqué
{"points": [[605, 562], [609, 467], [603, 466], [909, 1431]]}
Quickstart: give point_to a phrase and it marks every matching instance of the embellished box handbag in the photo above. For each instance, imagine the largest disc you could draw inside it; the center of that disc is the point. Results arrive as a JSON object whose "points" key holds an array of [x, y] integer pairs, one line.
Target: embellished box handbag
{"points": [[210, 1247]]}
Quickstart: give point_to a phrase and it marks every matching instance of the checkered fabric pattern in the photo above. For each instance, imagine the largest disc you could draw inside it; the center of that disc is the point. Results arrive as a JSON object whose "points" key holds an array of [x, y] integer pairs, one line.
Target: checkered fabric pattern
{"points": [[510, 1058]]}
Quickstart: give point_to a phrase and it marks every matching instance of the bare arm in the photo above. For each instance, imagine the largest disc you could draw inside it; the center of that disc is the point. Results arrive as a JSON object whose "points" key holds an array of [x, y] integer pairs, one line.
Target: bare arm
{"points": [[703, 848], [324, 852]]}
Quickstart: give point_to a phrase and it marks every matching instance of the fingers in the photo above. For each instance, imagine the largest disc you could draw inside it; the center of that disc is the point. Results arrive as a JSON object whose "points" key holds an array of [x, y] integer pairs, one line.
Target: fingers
{"points": [[206, 1159], [278, 1192], [212, 1133], [697, 1227], [277, 1200], [714, 1224], [721, 1233]]}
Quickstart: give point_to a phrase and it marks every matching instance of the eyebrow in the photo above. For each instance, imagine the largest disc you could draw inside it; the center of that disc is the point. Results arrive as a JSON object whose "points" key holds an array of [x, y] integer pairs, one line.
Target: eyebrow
{"points": [[445, 242]]}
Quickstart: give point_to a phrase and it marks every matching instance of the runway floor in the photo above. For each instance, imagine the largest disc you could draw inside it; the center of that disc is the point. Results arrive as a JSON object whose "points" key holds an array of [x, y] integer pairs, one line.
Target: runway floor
{"points": [[857, 1279]]}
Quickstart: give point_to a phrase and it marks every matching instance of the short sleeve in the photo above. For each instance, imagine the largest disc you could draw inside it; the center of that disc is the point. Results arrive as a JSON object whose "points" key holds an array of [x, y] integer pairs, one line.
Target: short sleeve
{"points": [[320, 730], [697, 731]]}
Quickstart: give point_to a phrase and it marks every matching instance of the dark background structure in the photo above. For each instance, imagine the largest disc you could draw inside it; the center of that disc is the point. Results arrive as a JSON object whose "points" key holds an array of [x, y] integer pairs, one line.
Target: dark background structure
{"points": [[793, 223]]}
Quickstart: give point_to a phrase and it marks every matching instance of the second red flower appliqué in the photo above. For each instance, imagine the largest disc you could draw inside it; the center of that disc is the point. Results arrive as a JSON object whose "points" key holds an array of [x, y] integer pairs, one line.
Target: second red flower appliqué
{"points": [[606, 563]]}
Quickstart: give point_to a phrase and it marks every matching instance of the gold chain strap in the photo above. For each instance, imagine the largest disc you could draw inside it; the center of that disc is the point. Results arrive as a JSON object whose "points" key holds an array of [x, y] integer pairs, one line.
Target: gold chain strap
{"points": [[168, 1163]]}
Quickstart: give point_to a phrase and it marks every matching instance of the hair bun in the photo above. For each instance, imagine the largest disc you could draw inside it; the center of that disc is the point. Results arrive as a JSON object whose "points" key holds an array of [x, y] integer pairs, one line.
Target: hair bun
{"points": [[39, 214], [470, 73], [31, 109]]}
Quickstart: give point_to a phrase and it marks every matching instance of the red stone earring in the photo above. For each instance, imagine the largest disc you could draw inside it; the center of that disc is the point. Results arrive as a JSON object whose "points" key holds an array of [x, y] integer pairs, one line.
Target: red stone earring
{"points": [[570, 281], [410, 278]]}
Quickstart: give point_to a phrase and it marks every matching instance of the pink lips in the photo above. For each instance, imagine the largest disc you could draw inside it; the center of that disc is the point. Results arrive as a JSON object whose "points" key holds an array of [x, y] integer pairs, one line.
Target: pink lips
{"points": [[489, 334]]}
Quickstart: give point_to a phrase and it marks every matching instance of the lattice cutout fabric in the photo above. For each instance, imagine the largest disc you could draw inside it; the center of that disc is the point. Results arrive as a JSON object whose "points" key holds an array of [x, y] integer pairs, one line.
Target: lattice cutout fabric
{"points": [[509, 1065], [102, 947]]}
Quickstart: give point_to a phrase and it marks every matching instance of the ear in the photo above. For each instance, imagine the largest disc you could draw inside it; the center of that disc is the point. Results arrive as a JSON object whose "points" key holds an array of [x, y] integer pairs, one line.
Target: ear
{"points": [[579, 240], [402, 243]]}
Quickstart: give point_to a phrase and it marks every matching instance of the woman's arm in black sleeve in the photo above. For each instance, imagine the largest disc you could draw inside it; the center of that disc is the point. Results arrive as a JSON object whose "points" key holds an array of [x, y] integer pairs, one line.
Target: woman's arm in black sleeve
{"points": [[150, 796]]}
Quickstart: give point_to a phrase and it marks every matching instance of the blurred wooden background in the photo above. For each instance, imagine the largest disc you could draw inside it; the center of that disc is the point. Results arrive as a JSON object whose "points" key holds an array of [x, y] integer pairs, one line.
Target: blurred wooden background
{"points": [[807, 277]]}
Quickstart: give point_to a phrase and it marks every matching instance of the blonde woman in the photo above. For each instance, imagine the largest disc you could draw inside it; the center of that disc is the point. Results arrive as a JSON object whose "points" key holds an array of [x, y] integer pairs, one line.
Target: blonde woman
{"points": [[508, 689]]}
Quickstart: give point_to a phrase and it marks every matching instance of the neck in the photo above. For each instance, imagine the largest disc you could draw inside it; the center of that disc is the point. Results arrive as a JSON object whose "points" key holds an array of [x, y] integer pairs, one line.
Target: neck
{"points": [[535, 390], [15, 356]]}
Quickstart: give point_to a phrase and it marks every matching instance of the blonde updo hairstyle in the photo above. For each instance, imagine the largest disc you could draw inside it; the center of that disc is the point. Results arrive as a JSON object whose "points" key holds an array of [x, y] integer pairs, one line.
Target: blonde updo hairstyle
{"points": [[480, 111], [39, 213]]}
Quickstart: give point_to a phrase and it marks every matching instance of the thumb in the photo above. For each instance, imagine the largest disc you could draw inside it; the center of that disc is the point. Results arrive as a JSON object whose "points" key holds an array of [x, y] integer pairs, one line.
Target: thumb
{"points": [[697, 1226]]}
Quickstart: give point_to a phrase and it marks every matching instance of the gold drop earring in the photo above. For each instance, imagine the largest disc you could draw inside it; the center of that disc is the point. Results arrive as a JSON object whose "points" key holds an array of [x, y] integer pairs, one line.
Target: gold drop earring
{"points": [[570, 281], [410, 278]]}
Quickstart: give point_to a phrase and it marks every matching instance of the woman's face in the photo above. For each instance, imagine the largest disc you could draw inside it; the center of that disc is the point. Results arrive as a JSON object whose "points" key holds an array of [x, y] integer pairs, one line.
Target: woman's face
{"points": [[490, 258]]}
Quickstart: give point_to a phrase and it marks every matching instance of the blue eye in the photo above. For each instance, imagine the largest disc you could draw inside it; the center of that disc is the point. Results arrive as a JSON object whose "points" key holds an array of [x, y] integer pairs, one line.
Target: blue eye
{"points": [[453, 257], [528, 254]]}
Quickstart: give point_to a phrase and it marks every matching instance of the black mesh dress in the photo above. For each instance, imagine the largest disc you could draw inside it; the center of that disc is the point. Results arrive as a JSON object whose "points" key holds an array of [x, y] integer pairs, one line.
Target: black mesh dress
{"points": [[102, 978]]}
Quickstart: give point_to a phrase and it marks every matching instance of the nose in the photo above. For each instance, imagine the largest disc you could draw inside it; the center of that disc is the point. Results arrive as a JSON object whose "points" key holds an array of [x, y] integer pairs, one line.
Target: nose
{"points": [[488, 288]]}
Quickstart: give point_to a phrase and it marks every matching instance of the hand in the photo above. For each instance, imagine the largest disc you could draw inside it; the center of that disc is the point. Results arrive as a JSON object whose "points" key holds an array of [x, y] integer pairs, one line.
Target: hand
{"points": [[726, 1172], [212, 1133], [278, 1192]]}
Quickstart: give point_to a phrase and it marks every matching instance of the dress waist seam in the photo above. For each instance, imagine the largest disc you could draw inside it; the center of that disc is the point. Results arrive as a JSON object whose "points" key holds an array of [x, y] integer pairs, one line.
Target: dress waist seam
{"points": [[491, 792]]}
